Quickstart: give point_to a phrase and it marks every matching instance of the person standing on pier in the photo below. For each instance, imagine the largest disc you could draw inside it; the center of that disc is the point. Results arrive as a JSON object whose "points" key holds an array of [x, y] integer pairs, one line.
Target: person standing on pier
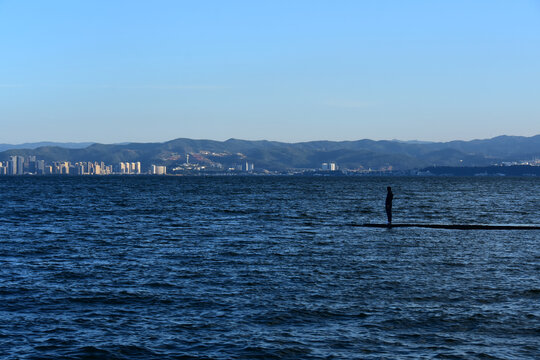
{"points": [[389, 197]]}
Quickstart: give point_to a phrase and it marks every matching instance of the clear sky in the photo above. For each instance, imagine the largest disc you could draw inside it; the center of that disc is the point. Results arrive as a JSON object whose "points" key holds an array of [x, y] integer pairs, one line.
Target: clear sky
{"points": [[116, 71]]}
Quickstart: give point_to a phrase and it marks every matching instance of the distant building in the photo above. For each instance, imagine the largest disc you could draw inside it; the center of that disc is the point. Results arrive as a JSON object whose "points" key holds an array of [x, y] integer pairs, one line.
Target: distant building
{"points": [[79, 167], [64, 168], [128, 168], [329, 166], [158, 170], [15, 165], [40, 167], [20, 165], [12, 165], [30, 164]]}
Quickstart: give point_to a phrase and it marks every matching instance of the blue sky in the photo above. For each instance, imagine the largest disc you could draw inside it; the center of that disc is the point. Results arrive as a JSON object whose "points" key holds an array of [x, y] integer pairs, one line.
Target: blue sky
{"points": [[115, 71]]}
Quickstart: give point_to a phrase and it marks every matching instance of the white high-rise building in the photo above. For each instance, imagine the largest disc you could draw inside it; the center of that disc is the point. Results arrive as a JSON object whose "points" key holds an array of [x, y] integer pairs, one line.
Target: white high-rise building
{"points": [[20, 165], [159, 170], [12, 165]]}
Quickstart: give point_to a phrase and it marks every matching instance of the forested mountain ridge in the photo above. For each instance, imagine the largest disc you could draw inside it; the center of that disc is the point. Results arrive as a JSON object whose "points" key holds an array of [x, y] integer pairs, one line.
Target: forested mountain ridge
{"points": [[273, 155]]}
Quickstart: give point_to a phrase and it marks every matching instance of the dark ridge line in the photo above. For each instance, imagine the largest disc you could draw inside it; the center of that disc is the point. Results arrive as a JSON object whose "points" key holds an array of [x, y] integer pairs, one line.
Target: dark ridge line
{"points": [[454, 226]]}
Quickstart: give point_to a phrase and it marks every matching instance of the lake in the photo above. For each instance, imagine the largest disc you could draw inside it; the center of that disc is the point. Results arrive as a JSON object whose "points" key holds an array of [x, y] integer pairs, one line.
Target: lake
{"points": [[267, 268]]}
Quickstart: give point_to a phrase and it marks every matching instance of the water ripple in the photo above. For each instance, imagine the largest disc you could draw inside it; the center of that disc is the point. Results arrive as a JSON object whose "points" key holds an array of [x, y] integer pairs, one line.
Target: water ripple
{"points": [[263, 268]]}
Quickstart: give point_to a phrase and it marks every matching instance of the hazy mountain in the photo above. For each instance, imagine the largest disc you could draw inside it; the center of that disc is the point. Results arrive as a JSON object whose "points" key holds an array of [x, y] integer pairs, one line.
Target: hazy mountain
{"points": [[412, 141], [69, 145], [273, 155]]}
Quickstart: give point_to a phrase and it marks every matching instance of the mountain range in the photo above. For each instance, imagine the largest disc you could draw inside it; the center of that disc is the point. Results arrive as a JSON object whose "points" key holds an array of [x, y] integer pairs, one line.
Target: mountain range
{"points": [[273, 155], [69, 145]]}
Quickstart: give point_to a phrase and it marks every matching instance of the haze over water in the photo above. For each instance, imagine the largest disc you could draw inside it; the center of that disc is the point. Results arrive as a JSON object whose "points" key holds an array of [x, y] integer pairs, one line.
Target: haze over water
{"points": [[266, 267]]}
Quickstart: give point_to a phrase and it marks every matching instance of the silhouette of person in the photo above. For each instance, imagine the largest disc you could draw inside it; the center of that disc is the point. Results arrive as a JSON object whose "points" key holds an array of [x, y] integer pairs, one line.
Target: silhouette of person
{"points": [[389, 197]]}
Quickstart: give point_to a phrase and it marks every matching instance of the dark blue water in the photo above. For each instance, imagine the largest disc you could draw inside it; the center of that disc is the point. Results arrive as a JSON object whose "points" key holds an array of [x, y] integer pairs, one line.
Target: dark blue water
{"points": [[266, 268]]}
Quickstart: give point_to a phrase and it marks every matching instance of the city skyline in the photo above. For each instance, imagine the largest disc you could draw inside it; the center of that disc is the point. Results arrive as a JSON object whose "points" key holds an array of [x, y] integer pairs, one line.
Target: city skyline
{"points": [[30, 165], [113, 72]]}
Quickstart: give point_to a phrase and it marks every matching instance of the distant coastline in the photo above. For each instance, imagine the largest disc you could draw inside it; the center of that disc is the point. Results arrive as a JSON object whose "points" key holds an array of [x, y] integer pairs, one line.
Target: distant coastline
{"points": [[181, 156]]}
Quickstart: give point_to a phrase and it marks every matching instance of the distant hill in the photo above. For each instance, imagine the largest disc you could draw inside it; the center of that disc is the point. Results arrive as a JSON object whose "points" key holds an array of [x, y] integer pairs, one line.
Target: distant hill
{"points": [[273, 155], [69, 145]]}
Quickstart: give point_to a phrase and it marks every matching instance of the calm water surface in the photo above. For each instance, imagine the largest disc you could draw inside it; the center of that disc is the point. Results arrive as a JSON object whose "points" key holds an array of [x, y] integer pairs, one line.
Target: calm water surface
{"points": [[266, 268]]}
